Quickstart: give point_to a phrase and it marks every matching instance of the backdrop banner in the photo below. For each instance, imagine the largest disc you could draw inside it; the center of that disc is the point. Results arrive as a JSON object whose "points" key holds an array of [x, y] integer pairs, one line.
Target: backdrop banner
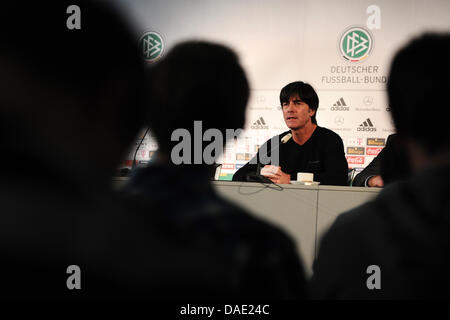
{"points": [[343, 49]]}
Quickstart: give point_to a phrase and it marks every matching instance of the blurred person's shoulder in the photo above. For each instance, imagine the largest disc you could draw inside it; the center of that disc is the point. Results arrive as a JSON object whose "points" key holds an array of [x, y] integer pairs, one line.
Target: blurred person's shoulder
{"points": [[247, 227]]}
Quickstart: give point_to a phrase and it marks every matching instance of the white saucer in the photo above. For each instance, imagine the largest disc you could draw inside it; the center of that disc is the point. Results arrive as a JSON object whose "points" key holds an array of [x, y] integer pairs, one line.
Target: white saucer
{"points": [[303, 183]]}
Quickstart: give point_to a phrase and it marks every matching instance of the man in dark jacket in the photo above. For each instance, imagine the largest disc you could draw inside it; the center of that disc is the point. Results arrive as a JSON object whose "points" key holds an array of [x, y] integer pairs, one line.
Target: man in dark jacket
{"points": [[218, 249], [390, 165], [398, 246]]}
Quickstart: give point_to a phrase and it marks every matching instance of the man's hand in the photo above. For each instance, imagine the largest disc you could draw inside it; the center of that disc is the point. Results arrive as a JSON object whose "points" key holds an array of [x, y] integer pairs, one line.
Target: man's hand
{"points": [[275, 174], [375, 181]]}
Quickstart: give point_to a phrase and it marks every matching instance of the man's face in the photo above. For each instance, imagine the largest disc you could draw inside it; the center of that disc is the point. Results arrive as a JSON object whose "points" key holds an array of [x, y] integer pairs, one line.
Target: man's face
{"points": [[296, 113]]}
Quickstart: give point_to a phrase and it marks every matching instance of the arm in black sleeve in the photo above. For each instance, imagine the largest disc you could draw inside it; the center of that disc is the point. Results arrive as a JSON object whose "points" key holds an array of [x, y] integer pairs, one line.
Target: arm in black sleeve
{"points": [[335, 167], [383, 164], [248, 168], [373, 169]]}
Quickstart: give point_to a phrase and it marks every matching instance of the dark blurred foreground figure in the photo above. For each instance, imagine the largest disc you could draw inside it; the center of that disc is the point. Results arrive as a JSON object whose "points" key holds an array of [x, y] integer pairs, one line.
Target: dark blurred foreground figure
{"points": [[390, 165], [405, 231], [70, 106], [219, 250]]}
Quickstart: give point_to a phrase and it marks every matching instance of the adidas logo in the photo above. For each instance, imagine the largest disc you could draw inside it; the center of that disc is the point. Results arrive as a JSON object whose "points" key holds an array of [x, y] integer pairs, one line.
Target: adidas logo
{"points": [[340, 105], [367, 126], [260, 124]]}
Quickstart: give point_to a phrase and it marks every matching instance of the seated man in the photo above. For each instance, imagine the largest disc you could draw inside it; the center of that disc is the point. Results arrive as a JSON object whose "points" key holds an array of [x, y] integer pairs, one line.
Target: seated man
{"points": [[311, 149], [397, 246], [218, 250], [390, 165]]}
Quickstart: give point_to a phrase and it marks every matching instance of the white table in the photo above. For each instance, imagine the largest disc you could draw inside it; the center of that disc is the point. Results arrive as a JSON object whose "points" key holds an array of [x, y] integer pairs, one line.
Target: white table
{"points": [[304, 212]]}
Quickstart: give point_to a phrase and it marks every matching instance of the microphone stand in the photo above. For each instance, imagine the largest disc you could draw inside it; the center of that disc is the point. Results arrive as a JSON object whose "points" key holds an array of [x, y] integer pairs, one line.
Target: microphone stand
{"points": [[258, 177], [133, 166]]}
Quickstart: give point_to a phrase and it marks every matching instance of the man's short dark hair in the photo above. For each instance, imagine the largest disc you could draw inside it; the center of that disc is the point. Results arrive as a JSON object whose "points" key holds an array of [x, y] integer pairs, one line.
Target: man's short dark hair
{"points": [[197, 80], [306, 93], [418, 90]]}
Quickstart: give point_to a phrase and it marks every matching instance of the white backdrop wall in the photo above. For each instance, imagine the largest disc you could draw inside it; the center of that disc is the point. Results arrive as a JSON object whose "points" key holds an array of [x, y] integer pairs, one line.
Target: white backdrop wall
{"points": [[283, 41]]}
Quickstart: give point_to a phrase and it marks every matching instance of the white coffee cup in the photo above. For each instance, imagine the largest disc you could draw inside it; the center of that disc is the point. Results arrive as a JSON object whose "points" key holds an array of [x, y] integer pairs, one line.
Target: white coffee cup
{"points": [[305, 176]]}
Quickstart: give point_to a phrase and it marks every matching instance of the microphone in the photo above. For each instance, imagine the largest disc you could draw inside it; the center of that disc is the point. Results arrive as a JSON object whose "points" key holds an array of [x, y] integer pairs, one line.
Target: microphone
{"points": [[133, 166], [258, 175], [286, 138]]}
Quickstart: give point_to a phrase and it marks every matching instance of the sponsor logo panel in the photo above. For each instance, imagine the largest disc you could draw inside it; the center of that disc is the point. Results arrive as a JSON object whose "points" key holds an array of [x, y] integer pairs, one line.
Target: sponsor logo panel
{"points": [[368, 100], [228, 166], [379, 142], [355, 160], [352, 141], [339, 120], [243, 156], [151, 46], [373, 151], [340, 105], [226, 176], [367, 125], [356, 44], [260, 123], [355, 150]]}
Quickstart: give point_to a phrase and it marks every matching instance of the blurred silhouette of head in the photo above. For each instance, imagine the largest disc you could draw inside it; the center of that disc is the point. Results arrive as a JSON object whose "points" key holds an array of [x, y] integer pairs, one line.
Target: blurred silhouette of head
{"points": [[196, 81], [418, 91], [71, 98]]}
